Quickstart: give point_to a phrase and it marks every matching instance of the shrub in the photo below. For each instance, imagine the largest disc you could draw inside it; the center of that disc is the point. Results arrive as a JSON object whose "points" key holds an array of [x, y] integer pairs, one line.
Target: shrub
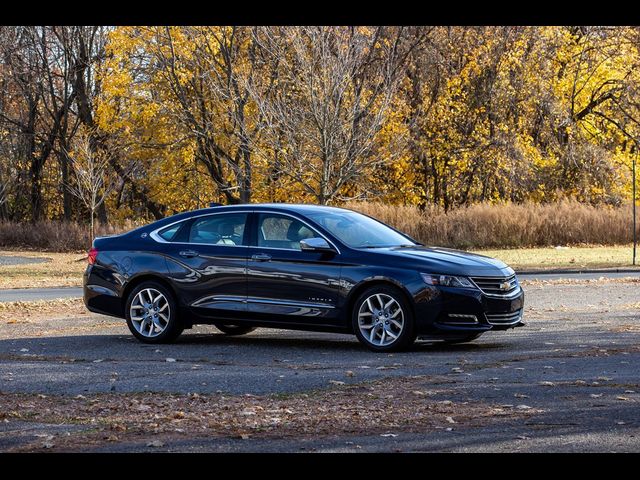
{"points": [[508, 225]]}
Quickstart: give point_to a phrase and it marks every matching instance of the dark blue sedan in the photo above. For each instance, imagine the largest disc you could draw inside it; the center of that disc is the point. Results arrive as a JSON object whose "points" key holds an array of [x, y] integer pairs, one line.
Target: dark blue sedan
{"points": [[302, 267]]}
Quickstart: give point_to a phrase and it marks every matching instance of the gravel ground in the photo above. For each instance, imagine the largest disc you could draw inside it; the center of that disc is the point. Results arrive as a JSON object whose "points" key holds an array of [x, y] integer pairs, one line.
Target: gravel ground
{"points": [[572, 369]]}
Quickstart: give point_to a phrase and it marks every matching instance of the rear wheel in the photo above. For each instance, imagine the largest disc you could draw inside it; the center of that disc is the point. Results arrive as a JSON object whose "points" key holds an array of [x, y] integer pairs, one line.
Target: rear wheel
{"points": [[382, 319], [152, 314], [235, 329]]}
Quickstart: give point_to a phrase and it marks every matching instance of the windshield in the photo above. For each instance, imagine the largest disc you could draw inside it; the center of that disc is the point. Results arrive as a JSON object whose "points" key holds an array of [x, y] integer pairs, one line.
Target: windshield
{"points": [[358, 231]]}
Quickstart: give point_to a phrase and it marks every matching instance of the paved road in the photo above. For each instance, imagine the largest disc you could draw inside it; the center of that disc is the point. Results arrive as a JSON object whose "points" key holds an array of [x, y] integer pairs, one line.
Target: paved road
{"points": [[16, 260], [33, 294], [575, 363]]}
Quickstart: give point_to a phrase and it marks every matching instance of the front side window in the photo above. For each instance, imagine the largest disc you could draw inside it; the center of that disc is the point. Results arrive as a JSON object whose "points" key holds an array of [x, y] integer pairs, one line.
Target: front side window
{"points": [[280, 231], [227, 229]]}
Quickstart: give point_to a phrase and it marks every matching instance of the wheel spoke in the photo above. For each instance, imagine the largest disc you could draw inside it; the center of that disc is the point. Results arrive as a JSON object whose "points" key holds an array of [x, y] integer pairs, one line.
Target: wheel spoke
{"points": [[396, 323], [384, 332], [395, 314], [371, 309], [380, 302], [391, 334], [372, 334], [389, 303], [366, 327]]}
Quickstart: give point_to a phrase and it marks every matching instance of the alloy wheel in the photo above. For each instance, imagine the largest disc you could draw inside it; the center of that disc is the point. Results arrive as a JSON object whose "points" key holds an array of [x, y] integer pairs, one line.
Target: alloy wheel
{"points": [[381, 319], [150, 312]]}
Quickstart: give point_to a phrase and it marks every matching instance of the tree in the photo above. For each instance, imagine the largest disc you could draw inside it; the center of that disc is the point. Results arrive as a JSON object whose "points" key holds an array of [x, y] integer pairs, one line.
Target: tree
{"points": [[335, 86], [91, 180]]}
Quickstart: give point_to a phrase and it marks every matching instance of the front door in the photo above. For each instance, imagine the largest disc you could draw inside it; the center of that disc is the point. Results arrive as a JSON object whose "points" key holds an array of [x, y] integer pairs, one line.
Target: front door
{"points": [[286, 284], [208, 258]]}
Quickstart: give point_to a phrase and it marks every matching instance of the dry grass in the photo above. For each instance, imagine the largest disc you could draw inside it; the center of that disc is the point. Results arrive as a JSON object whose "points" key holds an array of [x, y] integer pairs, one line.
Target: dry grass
{"points": [[61, 270], [550, 258], [26, 312], [53, 236], [508, 225]]}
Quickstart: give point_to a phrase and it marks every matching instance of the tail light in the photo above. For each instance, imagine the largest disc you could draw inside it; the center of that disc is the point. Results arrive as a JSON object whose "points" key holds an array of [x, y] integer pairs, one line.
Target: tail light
{"points": [[93, 253]]}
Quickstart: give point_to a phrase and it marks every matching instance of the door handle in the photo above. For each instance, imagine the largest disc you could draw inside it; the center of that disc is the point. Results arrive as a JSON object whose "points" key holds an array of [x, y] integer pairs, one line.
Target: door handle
{"points": [[261, 257], [189, 253]]}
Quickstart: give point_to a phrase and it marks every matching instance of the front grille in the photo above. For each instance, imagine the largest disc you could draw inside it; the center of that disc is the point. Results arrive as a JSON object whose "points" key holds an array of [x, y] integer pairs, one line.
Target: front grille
{"points": [[509, 318], [498, 286]]}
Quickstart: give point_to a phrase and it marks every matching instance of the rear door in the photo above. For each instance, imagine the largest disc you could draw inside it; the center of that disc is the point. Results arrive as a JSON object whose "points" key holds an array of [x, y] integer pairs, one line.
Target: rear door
{"points": [[207, 260], [286, 284]]}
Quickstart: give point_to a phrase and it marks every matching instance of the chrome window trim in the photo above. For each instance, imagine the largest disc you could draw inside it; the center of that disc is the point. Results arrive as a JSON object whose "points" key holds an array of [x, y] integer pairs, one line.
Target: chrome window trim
{"points": [[156, 236]]}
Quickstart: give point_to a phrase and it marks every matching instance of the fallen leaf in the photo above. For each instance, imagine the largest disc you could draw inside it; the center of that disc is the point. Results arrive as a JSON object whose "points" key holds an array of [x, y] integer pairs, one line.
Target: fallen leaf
{"points": [[388, 435], [520, 395], [48, 444], [596, 395], [626, 399], [450, 420], [349, 373], [523, 407], [170, 359], [155, 443], [547, 384], [336, 382]]}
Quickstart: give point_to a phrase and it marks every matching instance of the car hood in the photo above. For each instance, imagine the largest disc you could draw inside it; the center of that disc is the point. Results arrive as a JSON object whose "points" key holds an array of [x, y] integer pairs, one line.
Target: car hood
{"points": [[449, 261]]}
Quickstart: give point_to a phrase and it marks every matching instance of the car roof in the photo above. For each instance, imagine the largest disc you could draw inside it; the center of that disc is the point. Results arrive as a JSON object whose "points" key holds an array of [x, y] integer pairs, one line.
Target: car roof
{"points": [[289, 207]]}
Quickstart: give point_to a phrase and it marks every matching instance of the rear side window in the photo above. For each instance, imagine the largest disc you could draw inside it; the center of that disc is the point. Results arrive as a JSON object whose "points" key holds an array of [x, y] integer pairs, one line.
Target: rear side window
{"points": [[169, 233], [227, 229]]}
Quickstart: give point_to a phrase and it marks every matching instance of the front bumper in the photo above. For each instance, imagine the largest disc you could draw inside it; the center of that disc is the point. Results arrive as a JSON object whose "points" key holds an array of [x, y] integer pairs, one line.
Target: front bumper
{"points": [[445, 310]]}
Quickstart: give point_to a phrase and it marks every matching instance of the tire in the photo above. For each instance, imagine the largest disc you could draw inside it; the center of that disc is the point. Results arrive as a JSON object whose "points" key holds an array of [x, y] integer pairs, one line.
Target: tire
{"points": [[376, 338], [160, 327], [235, 329], [469, 338]]}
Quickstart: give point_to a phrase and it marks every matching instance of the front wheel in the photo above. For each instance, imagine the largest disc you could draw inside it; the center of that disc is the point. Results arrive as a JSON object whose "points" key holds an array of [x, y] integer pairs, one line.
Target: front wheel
{"points": [[235, 329], [152, 314], [382, 319]]}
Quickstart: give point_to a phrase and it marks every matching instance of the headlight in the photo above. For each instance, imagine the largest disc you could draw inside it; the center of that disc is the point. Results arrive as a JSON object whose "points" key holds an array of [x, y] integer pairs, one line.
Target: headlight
{"points": [[447, 280]]}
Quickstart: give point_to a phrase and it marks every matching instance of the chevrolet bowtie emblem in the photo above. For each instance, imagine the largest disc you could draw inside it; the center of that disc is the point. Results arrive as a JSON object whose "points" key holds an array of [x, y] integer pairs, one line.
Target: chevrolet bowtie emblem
{"points": [[505, 285]]}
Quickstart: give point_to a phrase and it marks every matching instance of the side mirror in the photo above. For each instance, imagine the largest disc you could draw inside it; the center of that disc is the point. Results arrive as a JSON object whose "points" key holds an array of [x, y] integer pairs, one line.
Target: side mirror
{"points": [[316, 244]]}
